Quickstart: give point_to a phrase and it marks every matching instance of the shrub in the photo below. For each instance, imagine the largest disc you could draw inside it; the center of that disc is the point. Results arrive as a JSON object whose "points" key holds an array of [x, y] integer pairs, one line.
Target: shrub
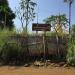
{"points": [[4, 38], [71, 52], [11, 49], [10, 52], [13, 53]]}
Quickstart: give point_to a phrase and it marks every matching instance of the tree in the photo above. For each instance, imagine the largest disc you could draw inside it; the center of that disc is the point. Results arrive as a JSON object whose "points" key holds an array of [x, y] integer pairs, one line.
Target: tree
{"points": [[58, 22], [6, 15], [20, 15], [26, 12]]}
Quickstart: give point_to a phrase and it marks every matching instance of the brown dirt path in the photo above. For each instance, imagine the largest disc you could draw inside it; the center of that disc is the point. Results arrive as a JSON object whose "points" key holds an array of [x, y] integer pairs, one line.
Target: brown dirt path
{"points": [[36, 71]]}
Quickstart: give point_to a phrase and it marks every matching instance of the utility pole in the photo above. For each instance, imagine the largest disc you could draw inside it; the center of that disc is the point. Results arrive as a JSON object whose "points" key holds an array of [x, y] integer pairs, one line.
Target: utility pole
{"points": [[70, 3]]}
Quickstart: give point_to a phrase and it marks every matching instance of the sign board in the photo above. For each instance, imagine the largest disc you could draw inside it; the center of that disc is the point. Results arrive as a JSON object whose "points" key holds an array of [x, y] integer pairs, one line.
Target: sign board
{"points": [[41, 27]]}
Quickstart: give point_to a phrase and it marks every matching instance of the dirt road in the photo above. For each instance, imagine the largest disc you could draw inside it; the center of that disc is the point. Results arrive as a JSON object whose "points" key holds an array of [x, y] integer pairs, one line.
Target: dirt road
{"points": [[36, 71]]}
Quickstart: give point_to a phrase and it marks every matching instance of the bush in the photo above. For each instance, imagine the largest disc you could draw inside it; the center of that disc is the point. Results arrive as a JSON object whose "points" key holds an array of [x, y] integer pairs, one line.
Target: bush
{"points": [[10, 52], [4, 38], [71, 52], [13, 53]]}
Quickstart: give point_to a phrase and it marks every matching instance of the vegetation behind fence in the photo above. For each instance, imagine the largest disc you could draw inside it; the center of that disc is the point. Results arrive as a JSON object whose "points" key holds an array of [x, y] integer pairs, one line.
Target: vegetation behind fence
{"points": [[34, 45], [19, 49]]}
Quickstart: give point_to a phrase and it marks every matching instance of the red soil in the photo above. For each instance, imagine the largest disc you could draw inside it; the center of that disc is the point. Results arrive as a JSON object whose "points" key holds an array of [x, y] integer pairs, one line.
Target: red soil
{"points": [[36, 71]]}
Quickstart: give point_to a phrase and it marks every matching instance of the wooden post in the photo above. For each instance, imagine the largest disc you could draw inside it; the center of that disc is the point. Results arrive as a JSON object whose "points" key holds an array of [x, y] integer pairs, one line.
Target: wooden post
{"points": [[44, 45]]}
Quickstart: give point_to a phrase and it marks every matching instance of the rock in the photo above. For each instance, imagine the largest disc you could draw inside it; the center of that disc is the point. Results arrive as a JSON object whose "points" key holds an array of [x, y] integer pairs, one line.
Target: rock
{"points": [[26, 65], [38, 63], [61, 63]]}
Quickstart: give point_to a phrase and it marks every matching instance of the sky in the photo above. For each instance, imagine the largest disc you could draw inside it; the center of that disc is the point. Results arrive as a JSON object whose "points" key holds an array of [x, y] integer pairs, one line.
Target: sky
{"points": [[44, 9]]}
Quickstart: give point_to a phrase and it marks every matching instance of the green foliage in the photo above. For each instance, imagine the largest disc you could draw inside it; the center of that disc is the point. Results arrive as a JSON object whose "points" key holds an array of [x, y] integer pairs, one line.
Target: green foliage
{"points": [[50, 34], [14, 53], [71, 52], [53, 20], [73, 30], [11, 50], [4, 36], [26, 12], [71, 48], [6, 15]]}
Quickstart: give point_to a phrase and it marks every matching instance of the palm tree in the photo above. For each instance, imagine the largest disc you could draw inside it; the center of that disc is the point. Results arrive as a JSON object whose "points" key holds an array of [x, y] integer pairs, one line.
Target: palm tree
{"points": [[27, 7], [57, 23], [57, 19]]}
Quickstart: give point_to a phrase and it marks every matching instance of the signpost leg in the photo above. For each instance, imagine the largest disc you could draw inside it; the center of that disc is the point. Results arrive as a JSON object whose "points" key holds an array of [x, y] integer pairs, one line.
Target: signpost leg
{"points": [[44, 46]]}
